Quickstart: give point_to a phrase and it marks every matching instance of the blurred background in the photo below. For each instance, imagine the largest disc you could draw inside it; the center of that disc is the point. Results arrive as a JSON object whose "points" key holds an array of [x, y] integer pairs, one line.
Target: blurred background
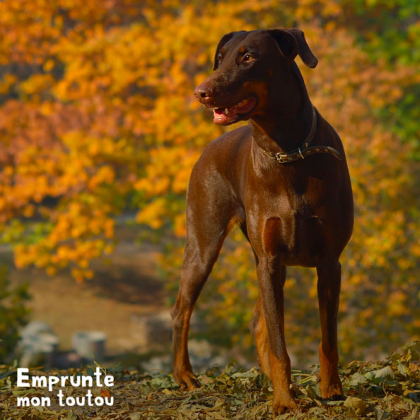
{"points": [[99, 131]]}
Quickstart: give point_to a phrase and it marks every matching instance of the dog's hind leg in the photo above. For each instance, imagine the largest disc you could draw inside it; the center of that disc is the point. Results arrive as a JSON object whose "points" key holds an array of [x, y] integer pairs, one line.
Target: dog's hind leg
{"points": [[329, 282]]}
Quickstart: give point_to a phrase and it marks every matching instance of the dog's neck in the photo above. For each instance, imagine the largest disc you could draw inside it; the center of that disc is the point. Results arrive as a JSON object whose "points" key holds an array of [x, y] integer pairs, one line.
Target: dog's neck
{"points": [[288, 117]]}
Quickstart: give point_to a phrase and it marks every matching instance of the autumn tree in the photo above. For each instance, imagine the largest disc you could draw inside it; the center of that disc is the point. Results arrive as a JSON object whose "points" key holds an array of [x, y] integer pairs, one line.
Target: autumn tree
{"points": [[97, 117]]}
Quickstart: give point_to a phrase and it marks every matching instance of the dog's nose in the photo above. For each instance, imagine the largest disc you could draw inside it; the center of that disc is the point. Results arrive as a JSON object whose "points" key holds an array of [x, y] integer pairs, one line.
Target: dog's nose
{"points": [[203, 92]]}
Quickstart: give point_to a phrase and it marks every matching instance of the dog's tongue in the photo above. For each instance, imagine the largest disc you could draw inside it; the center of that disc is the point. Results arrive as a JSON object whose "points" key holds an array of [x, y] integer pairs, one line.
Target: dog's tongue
{"points": [[223, 115]]}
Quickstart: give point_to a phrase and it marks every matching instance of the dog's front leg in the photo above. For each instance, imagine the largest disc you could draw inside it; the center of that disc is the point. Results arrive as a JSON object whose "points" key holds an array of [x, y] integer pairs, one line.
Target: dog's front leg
{"points": [[194, 275], [329, 282], [259, 330], [206, 230], [271, 293]]}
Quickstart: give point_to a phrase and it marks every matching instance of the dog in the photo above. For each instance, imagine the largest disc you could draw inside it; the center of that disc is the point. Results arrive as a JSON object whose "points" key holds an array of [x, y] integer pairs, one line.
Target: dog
{"points": [[284, 180]]}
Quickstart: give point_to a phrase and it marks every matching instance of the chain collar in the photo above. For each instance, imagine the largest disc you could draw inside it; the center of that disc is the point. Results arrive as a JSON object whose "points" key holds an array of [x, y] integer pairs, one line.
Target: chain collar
{"points": [[304, 150]]}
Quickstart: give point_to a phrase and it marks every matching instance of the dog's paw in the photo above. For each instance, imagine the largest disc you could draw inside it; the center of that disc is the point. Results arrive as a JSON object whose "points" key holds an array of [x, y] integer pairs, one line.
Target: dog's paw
{"points": [[283, 403], [333, 391], [186, 380]]}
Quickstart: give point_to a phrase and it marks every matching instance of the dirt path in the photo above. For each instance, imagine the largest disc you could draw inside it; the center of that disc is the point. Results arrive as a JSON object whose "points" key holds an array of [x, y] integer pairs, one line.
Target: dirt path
{"points": [[124, 289]]}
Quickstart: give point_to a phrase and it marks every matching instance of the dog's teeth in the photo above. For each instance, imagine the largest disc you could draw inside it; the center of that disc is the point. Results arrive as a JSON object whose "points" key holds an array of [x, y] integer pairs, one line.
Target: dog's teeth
{"points": [[226, 111]]}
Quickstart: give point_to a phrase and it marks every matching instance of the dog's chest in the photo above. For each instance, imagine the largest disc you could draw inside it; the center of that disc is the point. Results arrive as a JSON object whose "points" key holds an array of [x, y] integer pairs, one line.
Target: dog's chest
{"points": [[287, 222]]}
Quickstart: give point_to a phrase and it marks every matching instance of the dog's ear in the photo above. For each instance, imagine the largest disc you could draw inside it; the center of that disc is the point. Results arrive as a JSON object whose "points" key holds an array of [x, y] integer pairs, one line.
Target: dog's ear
{"points": [[291, 43], [225, 39]]}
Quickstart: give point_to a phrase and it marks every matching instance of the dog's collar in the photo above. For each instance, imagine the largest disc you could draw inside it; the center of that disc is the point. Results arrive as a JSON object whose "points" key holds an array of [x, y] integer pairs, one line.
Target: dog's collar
{"points": [[304, 151]]}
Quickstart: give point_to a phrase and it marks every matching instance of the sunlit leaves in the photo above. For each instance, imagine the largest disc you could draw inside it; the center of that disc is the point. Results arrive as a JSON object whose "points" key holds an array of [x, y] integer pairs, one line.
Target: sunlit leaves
{"points": [[97, 116]]}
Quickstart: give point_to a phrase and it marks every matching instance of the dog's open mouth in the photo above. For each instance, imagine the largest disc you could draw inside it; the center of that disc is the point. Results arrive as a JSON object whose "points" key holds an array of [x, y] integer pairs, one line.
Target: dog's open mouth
{"points": [[225, 116]]}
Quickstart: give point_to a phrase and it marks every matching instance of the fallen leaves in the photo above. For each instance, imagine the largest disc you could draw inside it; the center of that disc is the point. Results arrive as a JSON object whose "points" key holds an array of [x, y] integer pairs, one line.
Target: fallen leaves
{"points": [[370, 388]]}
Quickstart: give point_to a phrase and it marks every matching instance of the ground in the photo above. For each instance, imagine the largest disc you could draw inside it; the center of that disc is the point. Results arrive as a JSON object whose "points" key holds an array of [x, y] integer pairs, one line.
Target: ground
{"points": [[375, 390], [126, 286]]}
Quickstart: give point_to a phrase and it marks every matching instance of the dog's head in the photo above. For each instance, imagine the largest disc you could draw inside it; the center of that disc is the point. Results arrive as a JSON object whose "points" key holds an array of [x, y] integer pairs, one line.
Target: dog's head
{"points": [[245, 64]]}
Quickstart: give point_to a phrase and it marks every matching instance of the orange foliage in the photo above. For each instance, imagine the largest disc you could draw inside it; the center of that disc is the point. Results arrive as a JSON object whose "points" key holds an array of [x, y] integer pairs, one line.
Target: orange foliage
{"points": [[97, 115]]}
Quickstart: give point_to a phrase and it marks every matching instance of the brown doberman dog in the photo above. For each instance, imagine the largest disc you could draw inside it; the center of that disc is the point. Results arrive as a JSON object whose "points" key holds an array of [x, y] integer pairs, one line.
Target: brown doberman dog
{"points": [[284, 180]]}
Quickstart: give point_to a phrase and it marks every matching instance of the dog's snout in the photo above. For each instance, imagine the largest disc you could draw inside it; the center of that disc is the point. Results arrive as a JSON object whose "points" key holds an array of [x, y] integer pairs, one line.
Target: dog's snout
{"points": [[203, 92]]}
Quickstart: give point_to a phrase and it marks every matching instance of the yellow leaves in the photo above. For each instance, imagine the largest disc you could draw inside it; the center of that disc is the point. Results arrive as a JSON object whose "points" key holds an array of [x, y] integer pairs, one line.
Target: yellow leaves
{"points": [[46, 108], [169, 170], [179, 225], [81, 275], [153, 214], [48, 65], [3, 204], [415, 249], [109, 228], [80, 221], [78, 236], [158, 185], [20, 253], [8, 81], [384, 240], [77, 255], [358, 279], [29, 210], [109, 248], [105, 174], [181, 180], [121, 126], [313, 291], [397, 304]]}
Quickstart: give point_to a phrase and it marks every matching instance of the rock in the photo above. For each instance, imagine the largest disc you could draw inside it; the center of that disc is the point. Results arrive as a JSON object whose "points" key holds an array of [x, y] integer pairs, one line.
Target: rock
{"points": [[38, 345], [154, 332], [90, 345]]}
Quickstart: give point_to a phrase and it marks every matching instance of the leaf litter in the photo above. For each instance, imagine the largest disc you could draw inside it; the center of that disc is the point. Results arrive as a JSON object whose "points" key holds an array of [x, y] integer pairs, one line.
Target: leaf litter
{"points": [[384, 390]]}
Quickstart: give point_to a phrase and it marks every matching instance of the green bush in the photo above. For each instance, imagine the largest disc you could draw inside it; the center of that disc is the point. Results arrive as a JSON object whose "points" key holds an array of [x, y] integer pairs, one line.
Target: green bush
{"points": [[13, 314]]}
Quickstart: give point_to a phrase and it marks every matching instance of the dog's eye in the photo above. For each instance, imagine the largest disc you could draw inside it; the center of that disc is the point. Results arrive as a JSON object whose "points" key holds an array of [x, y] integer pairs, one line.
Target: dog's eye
{"points": [[248, 57]]}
